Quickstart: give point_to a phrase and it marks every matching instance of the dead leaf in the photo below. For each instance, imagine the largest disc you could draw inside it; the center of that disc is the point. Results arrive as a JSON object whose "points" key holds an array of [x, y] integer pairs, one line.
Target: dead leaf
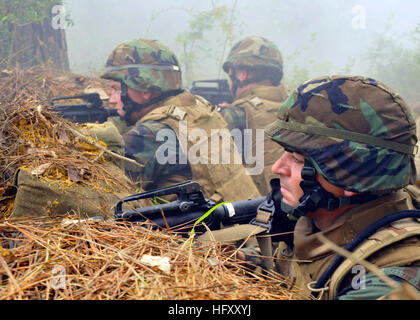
{"points": [[5, 72], [7, 255], [42, 152], [63, 136], [41, 169], [162, 263], [74, 174]]}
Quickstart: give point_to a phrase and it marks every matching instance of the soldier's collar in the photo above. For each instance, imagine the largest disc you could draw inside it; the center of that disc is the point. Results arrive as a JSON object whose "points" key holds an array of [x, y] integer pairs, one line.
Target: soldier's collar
{"points": [[275, 93], [347, 226]]}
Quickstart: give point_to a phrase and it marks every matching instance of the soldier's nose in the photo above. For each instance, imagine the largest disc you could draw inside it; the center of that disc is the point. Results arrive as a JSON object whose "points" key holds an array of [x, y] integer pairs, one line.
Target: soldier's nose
{"points": [[281, 167], [114, 98]]}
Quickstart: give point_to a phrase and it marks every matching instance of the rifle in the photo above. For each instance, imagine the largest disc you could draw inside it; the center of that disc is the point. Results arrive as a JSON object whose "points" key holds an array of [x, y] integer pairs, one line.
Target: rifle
{"points": [[92, 110], [214, 91], [191, 204]]}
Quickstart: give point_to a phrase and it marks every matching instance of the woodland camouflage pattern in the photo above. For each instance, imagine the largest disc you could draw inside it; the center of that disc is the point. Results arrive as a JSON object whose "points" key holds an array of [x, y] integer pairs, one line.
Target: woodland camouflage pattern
{"points": [[141, 145], [254, 52], [141, 62], [235, 117], [350, 104], [376, 288]]}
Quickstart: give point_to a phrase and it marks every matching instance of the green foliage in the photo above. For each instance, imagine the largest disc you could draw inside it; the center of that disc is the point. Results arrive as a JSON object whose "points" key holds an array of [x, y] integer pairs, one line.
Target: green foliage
{"points": [[416, 39], [17, 13], [295, 71], [21, 12], [393, 63], [416, 34], [299, 69], [199, 26]]}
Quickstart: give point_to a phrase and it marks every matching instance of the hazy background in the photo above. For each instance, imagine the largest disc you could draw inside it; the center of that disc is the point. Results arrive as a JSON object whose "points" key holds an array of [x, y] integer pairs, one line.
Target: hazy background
{"points": [[315, 37]]}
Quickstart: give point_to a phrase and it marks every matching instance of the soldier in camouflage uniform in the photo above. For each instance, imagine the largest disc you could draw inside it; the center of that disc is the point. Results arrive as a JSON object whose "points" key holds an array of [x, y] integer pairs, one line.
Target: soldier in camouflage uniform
{"points": [[255, 69], [146, 89], [348, 163]]}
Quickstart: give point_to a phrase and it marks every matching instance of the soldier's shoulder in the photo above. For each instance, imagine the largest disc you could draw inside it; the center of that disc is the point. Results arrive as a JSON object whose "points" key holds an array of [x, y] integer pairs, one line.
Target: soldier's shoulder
{"points": [[149, 127], [200, 100], [119, 124], [183, 99], [248, 101], [232, 110], [235, 116], [272, 93]]}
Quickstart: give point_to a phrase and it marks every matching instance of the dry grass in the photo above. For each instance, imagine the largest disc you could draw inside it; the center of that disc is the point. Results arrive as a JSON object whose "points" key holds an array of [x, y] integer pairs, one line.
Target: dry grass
{"points": [[33, 137], [102, 260], [41, 83]]}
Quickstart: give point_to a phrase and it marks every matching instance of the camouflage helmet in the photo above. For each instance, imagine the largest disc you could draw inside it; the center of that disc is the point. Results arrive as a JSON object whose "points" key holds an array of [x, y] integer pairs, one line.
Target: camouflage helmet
{"points": [[144, 65], [255, 52], [356, 132]]}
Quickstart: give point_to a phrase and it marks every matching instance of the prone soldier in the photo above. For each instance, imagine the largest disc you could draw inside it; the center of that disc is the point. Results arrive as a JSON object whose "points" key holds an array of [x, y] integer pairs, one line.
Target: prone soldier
{"points": [[148, 95], [255, 69], [347, 174]]}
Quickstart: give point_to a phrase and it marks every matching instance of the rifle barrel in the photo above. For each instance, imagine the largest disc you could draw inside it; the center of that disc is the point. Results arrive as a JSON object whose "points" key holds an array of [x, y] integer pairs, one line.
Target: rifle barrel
{"points": [[170, 213]]}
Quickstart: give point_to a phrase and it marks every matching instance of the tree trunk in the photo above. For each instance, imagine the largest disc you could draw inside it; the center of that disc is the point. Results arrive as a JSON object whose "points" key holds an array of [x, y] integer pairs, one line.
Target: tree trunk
{"points": [[38, 43]]}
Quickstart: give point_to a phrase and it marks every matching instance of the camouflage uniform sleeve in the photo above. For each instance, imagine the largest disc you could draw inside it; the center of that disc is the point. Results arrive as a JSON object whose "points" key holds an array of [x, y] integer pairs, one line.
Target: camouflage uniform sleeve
{"points": [[374, 288], [235, 117], [120, 124], [141, 145]]}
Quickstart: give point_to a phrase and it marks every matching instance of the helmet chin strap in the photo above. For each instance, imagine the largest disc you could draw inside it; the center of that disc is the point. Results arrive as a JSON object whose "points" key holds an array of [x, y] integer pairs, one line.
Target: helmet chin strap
{"points": [[130, 106], [315, 196]]}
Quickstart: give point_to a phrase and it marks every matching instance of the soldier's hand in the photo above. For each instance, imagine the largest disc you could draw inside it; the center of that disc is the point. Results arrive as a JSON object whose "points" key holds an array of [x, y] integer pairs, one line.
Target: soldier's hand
{"points": [[223, 105]]}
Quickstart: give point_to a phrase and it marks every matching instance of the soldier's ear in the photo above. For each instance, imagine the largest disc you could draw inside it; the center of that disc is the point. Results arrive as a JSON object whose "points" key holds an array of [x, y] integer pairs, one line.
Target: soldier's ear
{"points": [[147, 95], [241, 75]]}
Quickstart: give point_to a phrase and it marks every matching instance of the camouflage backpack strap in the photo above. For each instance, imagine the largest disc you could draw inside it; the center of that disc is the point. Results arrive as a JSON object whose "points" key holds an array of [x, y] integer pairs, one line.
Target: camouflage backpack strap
{"points": [[240, 232], [176, 107], [252, 101], [200, 99], [168, 111], [231, 234], [400, 256]]}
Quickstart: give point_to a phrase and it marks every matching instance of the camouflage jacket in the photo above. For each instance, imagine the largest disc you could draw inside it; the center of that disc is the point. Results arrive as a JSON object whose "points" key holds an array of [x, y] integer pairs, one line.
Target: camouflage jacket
{"points": [[141, 145], [399, 257], [236, 113], [219, 181], [254, 109]]}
